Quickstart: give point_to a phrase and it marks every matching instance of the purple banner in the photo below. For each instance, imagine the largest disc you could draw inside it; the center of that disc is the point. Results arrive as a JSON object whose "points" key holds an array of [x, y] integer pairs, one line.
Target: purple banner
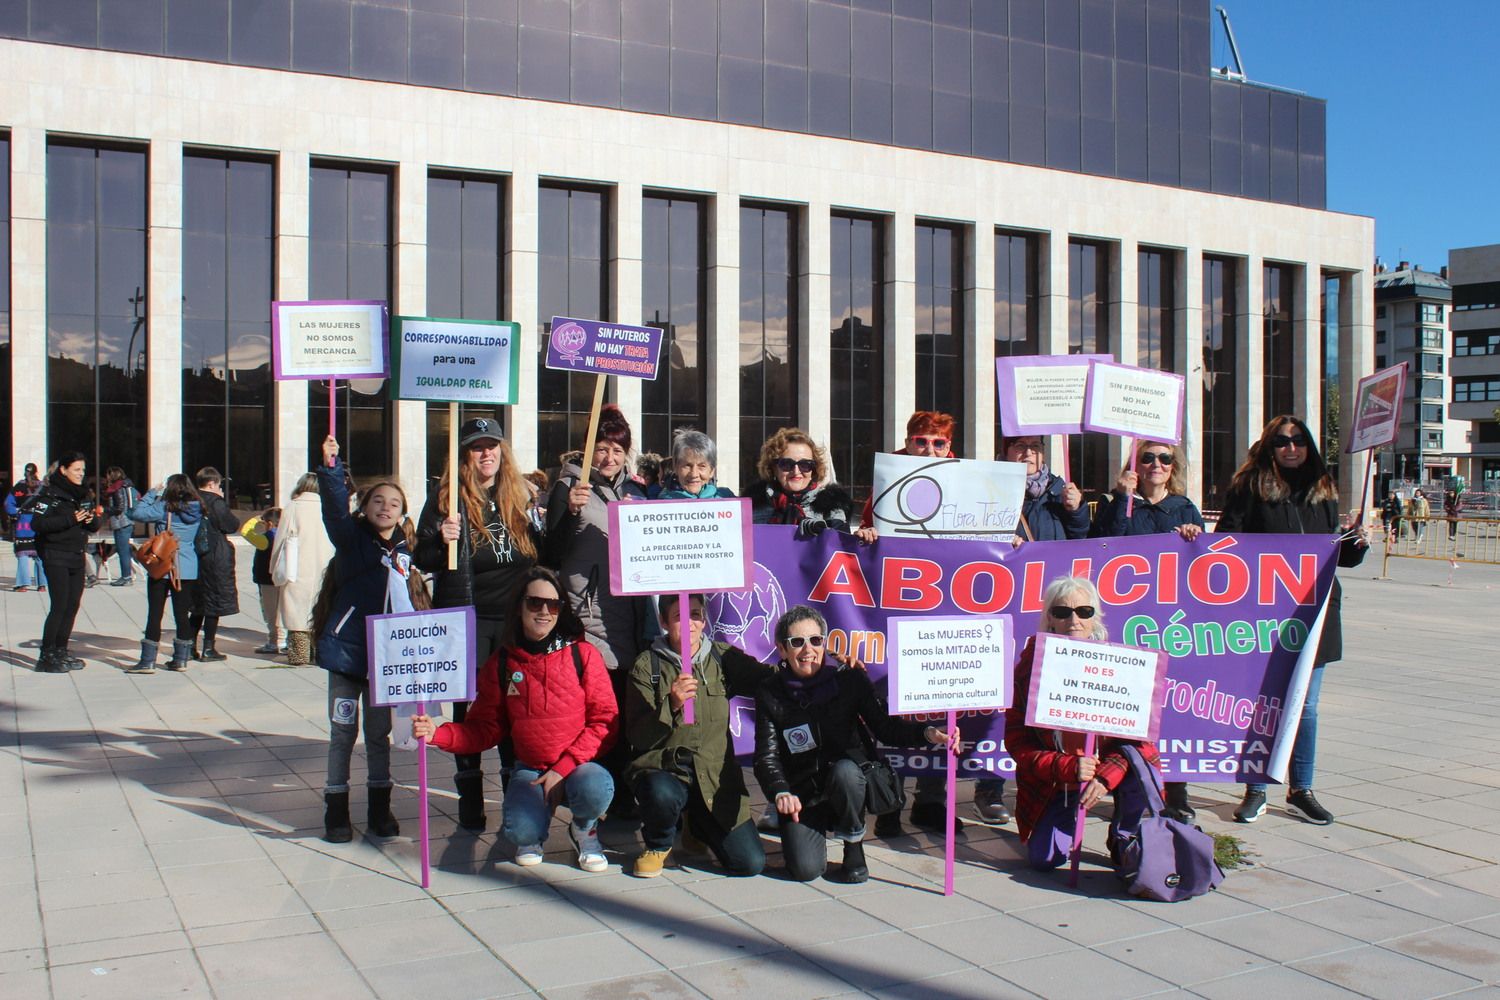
{"points": [[586, 345], [1233, 613]]}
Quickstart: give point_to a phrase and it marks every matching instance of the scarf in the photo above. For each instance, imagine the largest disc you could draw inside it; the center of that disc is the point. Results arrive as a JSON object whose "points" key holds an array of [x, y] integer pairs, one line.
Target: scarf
{"points": [[791, 508], [821, 688], [535, 647], [671, 490], [60, 483], [1037, 482], [397, 569], [667, 650]]}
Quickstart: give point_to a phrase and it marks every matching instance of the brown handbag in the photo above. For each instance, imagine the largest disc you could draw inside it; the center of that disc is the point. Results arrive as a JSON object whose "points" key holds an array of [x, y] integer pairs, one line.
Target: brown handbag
{"points": [[158, 554]]}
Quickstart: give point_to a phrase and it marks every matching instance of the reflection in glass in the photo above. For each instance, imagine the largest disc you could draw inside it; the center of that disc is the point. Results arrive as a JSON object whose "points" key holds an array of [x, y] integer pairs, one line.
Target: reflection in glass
{"points": [[940, 321], [1220, 397], [1277, 342], [768, 328], [7, 459], [228, 255], [96, 305], [1328, 363], [1017, 317], [673, 298], [572, 280], [1089, 333], [857, 347], [1156, 345], [349, 257]]}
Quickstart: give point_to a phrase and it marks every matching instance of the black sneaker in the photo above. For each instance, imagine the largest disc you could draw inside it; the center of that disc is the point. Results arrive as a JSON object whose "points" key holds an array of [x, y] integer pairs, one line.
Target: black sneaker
{"points": [[1301, 802], [933, 816], [1252, 807], [888, 825], [1177, 805]]}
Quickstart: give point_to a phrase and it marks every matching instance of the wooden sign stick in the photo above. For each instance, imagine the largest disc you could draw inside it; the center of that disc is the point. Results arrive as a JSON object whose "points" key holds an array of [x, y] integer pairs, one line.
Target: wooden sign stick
{"points": [[588, 447]]}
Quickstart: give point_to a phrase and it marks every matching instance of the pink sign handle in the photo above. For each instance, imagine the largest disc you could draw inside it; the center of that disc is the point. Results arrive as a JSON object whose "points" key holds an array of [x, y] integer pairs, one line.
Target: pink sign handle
{"points": [[1067, 462], [685, 648], [952, 808], [333, 409], [1130, 500], [1088, 751], [422, 804]]}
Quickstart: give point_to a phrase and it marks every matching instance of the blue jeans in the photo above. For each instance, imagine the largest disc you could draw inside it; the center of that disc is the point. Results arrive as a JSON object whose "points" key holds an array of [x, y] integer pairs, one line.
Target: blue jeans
{"points": [[29, 571], [1305, 749], [587, 792], [122, 549]]}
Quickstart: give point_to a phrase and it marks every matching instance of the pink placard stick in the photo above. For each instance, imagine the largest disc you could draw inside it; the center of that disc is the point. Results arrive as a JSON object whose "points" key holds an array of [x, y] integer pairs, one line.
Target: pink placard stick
{"points": [[1088, 751], [1130, 500], [333, 409], [422, 803], [1067, 463], [685, 648], [952, 808]]}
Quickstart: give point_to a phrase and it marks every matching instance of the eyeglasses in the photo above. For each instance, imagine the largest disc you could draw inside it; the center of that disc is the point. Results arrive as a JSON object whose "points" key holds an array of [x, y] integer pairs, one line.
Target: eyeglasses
{"points": [[552, 605], [805, 466], [798, 641], [1024, 446], [1156, 458], [1062, 613], [935, 443], [1289, 441]]}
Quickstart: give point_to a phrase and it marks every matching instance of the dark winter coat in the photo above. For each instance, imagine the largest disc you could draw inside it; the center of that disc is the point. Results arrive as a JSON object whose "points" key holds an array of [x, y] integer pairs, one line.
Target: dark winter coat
{"points": [[217, 595], [1146, 518], [487, 571], [1247, 514], [18, 504], [60, 536], [826, 506], [1049, 520]]}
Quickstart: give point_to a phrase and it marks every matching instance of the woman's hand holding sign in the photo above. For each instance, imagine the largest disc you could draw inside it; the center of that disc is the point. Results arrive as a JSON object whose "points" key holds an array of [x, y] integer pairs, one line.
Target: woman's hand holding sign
{"points": [[422, 727]]}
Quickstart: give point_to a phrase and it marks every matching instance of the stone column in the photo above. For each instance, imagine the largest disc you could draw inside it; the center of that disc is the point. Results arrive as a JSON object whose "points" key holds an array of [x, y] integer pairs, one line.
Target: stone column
{"points": [[164, 313], [722, 338], [977, 436], [1307, 345], [1052, 299], [1187, 332], [411, 300], [625, 290], [1250, 385], [521, 294], [1125, 318], [292, 186], [28, 300], [901, 329], [815, 331]]}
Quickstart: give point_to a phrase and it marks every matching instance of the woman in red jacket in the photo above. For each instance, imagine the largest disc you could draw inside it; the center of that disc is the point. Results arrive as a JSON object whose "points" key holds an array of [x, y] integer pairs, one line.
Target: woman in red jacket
{"points": [[548, 690]]}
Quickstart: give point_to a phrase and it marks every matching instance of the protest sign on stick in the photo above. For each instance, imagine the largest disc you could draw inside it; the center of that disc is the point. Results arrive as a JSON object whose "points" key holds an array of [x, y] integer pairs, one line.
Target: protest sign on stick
{"points": [[329, 339], [418, 657], [923, 496], [1044, 394], [1135, 403], [680, 547], [1377, 419], [586, 345], [950, 664]]}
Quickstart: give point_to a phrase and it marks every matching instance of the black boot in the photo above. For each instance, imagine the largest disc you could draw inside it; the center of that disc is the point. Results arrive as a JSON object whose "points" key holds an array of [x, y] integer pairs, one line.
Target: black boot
{"points": [[381, 822], [182, 650], [336, 826], [50, 662], [1177, 803], [70, 662], [470, 801], [854, 869], [210, 654], [193, 649]]}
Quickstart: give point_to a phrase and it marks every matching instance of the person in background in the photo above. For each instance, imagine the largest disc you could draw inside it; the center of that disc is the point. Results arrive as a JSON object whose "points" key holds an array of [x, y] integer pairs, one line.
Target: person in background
{"points": [[794, 488], [18, 504], [1390, 513], [218, 594], [120, 495], [648, 472], [299, 556], [175, 506], [260, 532], [1053, 509], [1420, 512], [1450, 511], [63, 516]]}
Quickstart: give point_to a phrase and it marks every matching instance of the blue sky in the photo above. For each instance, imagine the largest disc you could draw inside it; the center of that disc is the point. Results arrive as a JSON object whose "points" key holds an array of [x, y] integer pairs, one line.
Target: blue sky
{"points": [[1413, 91]]}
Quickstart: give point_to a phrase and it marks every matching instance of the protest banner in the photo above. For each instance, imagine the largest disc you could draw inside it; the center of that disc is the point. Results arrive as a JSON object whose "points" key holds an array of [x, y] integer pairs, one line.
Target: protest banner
{"points": [[1135, 403], [586, 345], [418, 657], [948, 498], [1377, 419], [455, 361], [949, 664], [680, 547], [1044, 394], [329, 339]]}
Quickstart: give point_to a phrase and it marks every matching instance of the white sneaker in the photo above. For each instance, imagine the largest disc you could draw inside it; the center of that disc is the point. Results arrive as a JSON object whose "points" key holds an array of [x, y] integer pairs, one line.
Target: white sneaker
{"points": [[529, 855], [590, 852]]}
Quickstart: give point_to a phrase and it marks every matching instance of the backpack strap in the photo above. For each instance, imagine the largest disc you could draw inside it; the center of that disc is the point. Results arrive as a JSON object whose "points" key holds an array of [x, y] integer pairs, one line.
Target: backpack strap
{"points": [[578, 660], [1148, 777]]}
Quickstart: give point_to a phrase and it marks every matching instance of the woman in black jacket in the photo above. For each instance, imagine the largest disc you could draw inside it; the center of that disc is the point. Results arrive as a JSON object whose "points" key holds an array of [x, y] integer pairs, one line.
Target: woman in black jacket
{"points": [[63, 518], [812, 734], [498, 539], [217, 595], [794, 488], [1282, 488]]}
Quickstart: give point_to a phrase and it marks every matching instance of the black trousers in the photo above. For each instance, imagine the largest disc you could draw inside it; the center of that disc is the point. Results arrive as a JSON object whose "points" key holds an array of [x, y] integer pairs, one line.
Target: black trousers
{"points": [[486, 641], [158, 592], [65, 587], [664, 799], [841, 812]]}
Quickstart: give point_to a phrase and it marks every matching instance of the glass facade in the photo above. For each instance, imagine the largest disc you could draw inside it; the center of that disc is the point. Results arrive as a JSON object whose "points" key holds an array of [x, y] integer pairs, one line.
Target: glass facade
{"points": [[7, 446], [768, 328], [228, 282], [96, 306], [1277, 339], [465, 275], [1156, 310], [349, 257], [674, 298], [1328, 364], [1220, 397], [1089, 333], [857, 347], [1017, 315], [572, 280], [940, 321]]}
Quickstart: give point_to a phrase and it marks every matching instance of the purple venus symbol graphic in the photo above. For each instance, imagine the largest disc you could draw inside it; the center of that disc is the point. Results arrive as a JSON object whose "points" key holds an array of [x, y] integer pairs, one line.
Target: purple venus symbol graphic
{"points": [[570, 339]]}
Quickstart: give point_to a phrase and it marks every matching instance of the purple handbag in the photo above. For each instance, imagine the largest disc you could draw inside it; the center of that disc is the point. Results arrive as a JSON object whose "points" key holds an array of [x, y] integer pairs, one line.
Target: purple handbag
{"points": [[1156, 857]]}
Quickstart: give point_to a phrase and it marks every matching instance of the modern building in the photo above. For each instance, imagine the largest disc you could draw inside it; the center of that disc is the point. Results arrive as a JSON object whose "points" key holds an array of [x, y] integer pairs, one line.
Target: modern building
{"points": [[1475, 274], [1411, 326], [841, 212]]}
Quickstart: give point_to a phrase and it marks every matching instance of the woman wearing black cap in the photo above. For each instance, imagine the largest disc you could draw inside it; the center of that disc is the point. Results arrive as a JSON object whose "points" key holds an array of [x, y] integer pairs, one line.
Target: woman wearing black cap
{"points": [[498, 535]]}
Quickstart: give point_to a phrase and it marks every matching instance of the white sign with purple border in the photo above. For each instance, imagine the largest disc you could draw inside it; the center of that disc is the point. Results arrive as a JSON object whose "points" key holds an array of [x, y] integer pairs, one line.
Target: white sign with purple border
{"points": [[1377, 409], [329, 339], [1043, 394], [589, 346], [679, 546], [1140, 403], [947, 498], [1084, 686], [950, 664], [421, 657]]}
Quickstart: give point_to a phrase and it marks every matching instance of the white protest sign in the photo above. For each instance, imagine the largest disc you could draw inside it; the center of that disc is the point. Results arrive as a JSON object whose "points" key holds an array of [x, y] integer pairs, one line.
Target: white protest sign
{"points": [[1377, 409], [679, 546], [950, 664], [455, 360], [329, 339], [421, 656], [1139, 403], [1084, 686], [1043, 394], [927, 497]]}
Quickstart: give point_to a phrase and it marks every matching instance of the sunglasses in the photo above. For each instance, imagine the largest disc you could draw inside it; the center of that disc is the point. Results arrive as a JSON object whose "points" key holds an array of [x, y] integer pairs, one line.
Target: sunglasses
{"points": [[1062, 613], [551, 605], [1156, 458], [806, 466], [798, 641], [1022, 447], [1289, 441], [936, 444]]}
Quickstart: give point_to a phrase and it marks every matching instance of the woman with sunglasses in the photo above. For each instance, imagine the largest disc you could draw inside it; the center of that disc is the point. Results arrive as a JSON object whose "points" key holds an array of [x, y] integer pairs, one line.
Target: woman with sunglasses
{"points": [[547, 690], [812, 736], [794, 488], [1053, 509], [491, 517], [1283, 488], [1050, 763]]}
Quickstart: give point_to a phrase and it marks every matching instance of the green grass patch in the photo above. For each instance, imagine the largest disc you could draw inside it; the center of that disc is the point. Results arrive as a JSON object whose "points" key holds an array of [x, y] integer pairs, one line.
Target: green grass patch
{"points": [[1229, 851]]}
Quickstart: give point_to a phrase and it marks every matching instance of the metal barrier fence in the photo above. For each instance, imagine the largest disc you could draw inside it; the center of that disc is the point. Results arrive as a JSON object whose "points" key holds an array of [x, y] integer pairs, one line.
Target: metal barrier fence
{"points": [[1451, 539]]}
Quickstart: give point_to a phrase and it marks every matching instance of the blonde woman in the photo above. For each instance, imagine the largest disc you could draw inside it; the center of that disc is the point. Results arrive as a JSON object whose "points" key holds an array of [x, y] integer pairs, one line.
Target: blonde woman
{"points": [[299, 555]]}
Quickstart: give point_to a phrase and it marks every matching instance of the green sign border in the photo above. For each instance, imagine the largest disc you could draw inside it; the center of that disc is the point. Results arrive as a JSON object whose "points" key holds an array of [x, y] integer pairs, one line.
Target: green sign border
{"points": [[398, 323]]}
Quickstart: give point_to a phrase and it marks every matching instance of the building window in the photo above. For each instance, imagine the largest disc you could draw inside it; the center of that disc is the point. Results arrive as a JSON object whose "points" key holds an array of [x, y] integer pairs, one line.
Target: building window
{"points": [[1432, 364], [572, 280], [940, 320], [1156, 276], [857, 347], [1476, 390], [465, 279], [768, 328], [1475, 343], [349, 257], [1277, 342], [1089, 333], [1477, 295], [1432, 413], [1430, 388], [1328, 361], [1220, 399], [1432, 339], [1433, 440], [228, 282], [674, 298], [7, 456], [1379, 361], [96, 306], [1430, 312], [1017, 316]]}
